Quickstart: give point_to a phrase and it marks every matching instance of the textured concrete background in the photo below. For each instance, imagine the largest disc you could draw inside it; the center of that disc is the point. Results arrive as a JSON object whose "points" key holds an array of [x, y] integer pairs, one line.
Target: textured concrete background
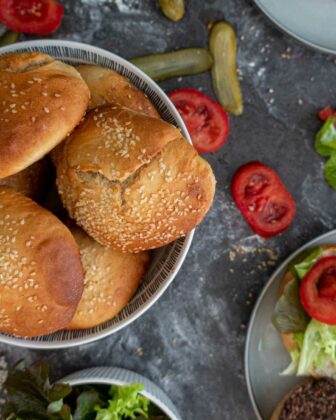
{"points": [[191, 342]]}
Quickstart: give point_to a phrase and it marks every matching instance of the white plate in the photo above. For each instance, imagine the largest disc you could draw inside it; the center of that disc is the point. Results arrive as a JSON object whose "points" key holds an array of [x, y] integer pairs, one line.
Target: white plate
{"points": [[166, 261], [265, 355], [117, 376], [312, 22]]}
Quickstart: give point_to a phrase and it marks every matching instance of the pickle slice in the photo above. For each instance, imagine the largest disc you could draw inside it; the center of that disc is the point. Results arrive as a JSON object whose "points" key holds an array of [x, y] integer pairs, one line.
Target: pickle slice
{"points": [[9, 37], [174, 64], [172, 9], [223, 47]]}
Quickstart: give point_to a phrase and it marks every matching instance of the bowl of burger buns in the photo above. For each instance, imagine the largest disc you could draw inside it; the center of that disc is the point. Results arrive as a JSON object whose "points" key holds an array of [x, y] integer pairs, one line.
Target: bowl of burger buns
{"points": [[100, 191]]}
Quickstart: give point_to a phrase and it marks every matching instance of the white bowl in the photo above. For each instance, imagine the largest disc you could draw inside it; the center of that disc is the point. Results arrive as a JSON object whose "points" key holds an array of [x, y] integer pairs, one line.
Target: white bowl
{"points": [[117, 376], [166, 261]]}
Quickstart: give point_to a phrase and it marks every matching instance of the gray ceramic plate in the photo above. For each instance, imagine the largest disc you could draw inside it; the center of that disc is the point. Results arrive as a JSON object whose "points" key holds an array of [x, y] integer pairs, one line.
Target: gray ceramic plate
{"points": [[265, 355], [309, 21]]}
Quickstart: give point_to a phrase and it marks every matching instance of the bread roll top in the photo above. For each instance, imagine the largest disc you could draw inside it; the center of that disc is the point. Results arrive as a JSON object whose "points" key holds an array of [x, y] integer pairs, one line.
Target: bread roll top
{"points": [[41, 276], [107, 87], [41, 101], [110, 280], [131, 181]]}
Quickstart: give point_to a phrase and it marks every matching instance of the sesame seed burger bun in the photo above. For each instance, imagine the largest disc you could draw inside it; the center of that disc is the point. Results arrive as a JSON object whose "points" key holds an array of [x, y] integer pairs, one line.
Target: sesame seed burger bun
{"points": [[41, 276], [107, 86], [132, 182], [41, 102], [110, 280], [32, 181], [288, 339]]}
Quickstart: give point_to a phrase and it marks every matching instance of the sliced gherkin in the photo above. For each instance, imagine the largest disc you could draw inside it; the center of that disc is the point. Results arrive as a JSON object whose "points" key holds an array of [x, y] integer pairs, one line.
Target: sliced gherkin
{"points": [[174, 64], [223, 47]]}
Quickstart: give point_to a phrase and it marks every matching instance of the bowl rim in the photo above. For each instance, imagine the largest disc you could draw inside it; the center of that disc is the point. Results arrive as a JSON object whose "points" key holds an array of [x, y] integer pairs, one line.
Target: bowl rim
{"points": [[265, 289], [109, 375], [76, 341]]}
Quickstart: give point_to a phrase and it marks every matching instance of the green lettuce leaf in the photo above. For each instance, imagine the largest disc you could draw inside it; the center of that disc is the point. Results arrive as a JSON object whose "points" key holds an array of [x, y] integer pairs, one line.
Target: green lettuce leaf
{"points": [[125, 403], [318, 353], [306, 262], [325, 143], [330, 171], [31, 396], [289, 315], [295, 355]]}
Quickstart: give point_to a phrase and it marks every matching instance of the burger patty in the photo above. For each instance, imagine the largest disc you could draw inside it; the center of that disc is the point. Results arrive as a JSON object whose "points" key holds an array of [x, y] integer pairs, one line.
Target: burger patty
{"points": [[314, 400]]}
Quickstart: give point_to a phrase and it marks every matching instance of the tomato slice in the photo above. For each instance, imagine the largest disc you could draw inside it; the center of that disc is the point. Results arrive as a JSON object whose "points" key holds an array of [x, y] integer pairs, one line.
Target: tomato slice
{"points": [[31, 16], [318, 291], [327, 112], [206, 120], [263, 200]]}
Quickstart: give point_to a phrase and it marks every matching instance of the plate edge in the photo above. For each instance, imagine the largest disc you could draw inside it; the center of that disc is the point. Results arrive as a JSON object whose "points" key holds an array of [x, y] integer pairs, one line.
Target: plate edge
{"points": [[255, 309]]}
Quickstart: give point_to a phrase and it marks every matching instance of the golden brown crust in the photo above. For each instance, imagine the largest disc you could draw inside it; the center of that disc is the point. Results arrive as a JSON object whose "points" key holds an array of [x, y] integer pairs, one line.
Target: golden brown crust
{"points": [[110, 280], [131, 181], [288, 339], [32, 181], [107, 86], [41, 101], [41, 277]]}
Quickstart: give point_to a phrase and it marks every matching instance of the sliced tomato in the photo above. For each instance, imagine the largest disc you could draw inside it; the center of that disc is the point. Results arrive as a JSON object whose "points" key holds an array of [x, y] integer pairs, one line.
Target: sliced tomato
{"points": [[206, 120], [263, 200], [318, 291], [327, 112], [31, 16]]}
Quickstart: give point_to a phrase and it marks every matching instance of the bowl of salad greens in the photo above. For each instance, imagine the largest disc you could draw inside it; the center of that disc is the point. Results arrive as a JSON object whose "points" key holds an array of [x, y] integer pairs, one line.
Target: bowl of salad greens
{"points": [[101, 393]]}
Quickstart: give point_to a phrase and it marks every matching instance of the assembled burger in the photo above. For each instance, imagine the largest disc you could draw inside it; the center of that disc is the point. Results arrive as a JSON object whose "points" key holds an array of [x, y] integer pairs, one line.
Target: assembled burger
{"points": [[305, 313]]}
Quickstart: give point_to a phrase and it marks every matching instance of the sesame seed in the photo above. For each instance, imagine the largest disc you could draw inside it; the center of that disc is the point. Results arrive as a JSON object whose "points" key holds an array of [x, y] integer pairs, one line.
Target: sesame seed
{"points": [[46, 110]]}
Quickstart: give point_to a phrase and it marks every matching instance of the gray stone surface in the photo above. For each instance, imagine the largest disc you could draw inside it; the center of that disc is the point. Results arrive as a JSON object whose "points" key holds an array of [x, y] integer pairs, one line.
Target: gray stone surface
{"points": [[191, 342]]}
